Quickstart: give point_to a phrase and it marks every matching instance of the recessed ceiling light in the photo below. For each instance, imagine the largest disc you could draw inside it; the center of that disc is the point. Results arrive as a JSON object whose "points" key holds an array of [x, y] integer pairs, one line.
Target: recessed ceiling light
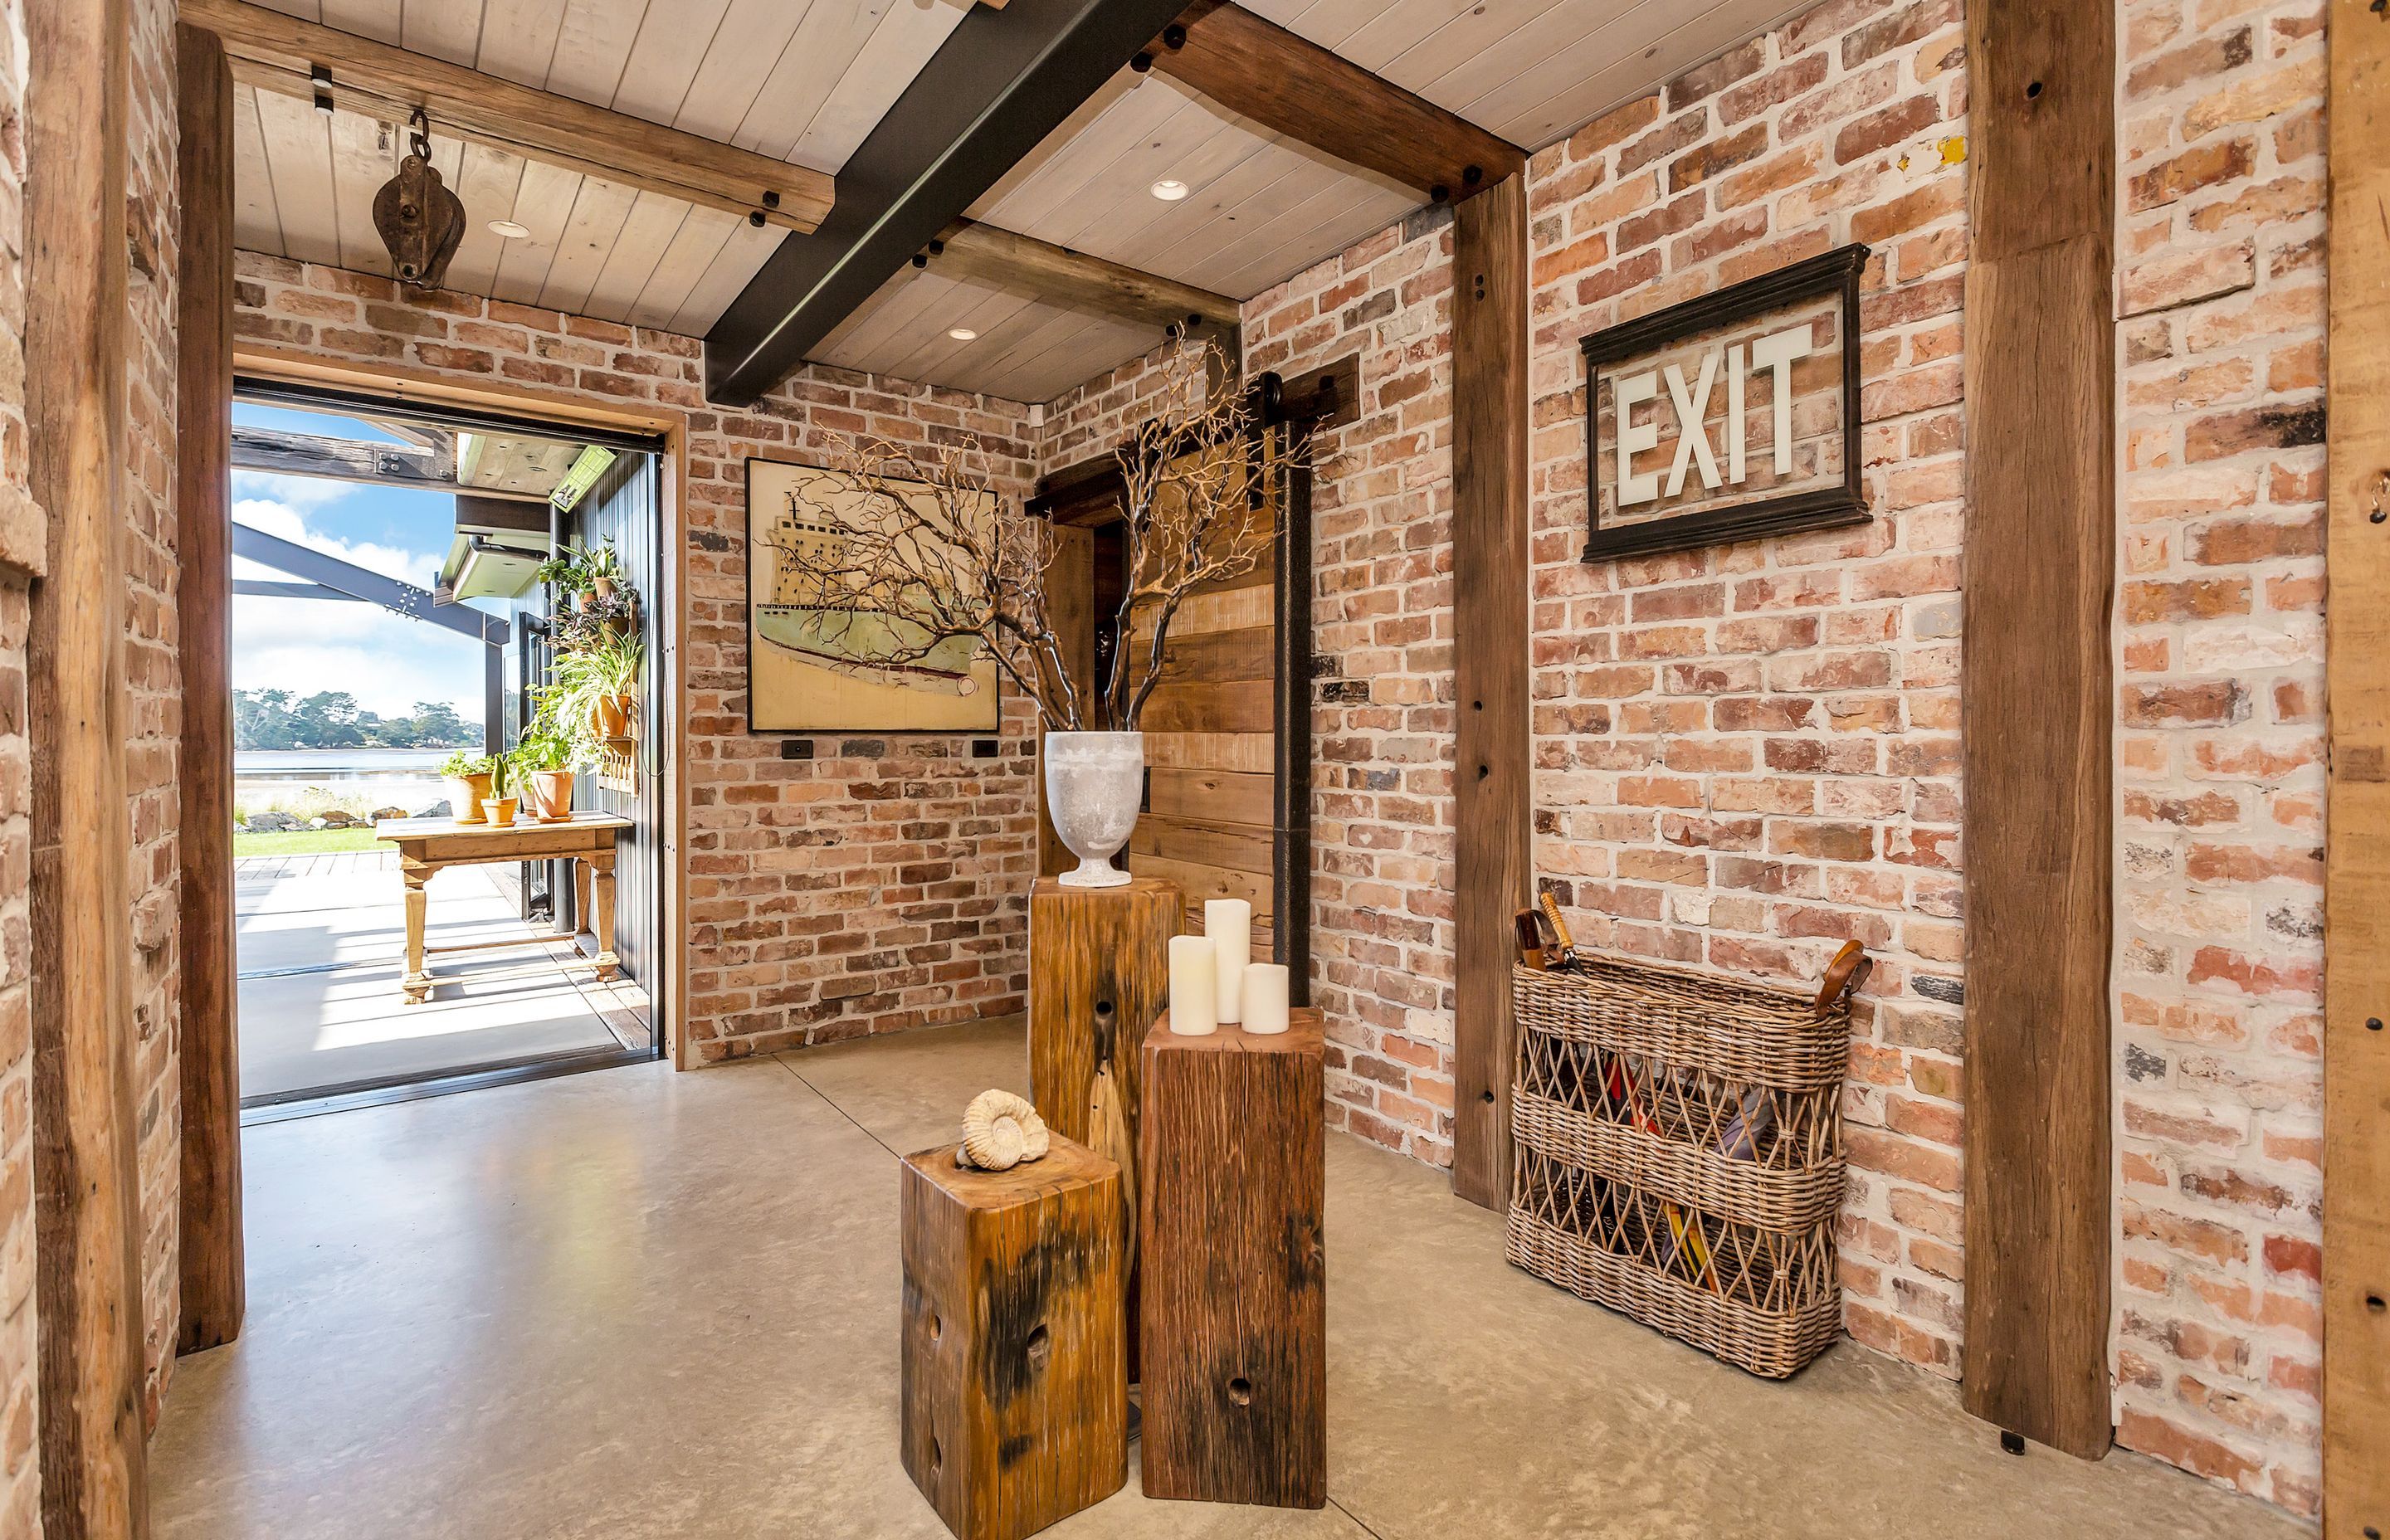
{"points": [[962, 334], [508, 229], [1169, 189]]}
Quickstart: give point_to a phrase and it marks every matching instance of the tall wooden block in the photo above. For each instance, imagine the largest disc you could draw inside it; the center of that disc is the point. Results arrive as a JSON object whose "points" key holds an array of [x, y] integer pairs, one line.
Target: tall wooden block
{"points": [[1098, 974], [1235, 1281], [1015, 1399]]}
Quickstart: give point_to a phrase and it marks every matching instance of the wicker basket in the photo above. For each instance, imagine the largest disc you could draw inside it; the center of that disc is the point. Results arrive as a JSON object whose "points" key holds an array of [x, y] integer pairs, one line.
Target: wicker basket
{"points": [[1679, 1153]]}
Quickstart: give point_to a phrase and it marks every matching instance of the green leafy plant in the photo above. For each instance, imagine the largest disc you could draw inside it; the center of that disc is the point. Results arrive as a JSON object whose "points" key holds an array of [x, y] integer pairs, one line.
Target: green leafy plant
{"points": [[602, 565], [551, 743], [463, 762], [568, 570]]}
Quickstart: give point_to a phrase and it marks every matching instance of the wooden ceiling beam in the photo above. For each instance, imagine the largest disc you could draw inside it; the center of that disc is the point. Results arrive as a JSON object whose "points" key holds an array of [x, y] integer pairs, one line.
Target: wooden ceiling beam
{"points": [[979, 253], [278, 52], [1315, 96], [280, 452], [1001, 82]]}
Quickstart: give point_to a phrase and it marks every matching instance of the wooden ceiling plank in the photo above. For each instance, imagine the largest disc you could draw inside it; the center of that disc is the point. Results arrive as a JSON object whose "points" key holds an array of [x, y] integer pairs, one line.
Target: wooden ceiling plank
{"points": [[543, 203], [519, 39], [696, 243], [600, 214], [442, 29], [275, 52], [486, 181], [1064, 186], [299, 149], [592, 48], [257, 223], [364, 156], [1464, 37], [983, 254], [746, 250], [1001, 82], [646, 234], [381, 20], [1307, 93], [672, 43], [907, 37], [1031, 166], [751, 43], [822, 48], [1614, 63]]}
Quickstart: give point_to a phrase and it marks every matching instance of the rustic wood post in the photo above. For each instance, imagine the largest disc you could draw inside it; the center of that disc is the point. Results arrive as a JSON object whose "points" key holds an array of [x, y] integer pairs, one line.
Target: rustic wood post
{"points": [[212, 1253], [2357, 821], [1235, 1277], [1098, 974], [1015, 1398], [2040, 571], [1492, 870], [87, 1226]]}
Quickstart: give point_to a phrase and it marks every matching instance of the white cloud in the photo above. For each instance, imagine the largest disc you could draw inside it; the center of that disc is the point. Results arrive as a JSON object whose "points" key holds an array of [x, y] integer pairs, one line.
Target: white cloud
{"points": [[388, 661], [298, 491]]}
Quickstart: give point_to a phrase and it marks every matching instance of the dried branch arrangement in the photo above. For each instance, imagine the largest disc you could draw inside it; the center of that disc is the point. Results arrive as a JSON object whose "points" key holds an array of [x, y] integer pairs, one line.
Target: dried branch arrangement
{"points": [[933, 555]]}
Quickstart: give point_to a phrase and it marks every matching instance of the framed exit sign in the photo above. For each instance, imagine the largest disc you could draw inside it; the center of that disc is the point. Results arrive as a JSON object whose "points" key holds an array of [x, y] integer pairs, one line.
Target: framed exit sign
{"points": [[1729, 416]]}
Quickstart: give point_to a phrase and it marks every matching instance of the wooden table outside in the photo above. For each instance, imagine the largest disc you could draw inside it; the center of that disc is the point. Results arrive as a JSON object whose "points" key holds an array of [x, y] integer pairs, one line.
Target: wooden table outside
{"points": [[427, 845]]}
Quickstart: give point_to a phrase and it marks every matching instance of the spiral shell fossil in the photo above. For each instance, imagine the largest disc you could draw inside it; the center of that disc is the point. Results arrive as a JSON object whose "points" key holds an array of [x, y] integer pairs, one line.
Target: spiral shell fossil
{"points": [[1001, 1130]]}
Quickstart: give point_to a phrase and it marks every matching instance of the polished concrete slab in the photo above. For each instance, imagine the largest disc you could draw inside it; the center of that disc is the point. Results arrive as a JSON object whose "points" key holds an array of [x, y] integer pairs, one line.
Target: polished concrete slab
{"points": [[634, 1303]]}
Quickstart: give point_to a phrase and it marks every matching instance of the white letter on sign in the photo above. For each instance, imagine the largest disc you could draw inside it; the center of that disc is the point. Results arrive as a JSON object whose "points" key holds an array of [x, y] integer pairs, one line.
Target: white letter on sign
{"points": [[1635, 437], [1777, 352], [1692, 426]]}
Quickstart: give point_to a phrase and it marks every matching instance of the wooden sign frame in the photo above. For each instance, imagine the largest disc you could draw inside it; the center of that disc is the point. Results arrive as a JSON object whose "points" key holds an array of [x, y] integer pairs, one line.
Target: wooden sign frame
{"points": [[1835, 272]]}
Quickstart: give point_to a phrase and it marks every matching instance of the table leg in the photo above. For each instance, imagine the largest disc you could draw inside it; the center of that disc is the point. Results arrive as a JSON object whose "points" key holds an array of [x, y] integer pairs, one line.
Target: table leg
{"points": [[417, 985], [580, 895], [601, 864]]}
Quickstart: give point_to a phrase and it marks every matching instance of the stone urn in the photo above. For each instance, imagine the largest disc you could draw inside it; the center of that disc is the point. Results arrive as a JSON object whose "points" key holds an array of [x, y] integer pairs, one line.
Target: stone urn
{"points": [[1094, 784]]}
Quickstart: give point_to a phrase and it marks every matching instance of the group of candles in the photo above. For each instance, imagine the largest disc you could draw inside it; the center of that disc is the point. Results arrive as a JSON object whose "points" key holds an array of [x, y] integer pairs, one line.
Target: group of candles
{"points": [[1214, 978]]}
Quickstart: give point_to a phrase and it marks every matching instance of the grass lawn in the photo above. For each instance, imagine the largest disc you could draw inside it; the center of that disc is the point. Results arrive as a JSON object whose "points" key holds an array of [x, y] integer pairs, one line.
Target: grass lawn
{"points": [[306, 842]]}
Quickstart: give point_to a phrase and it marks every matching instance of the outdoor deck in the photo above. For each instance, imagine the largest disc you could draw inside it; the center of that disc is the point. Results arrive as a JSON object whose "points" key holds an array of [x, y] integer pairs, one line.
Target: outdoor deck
{"points": [[320, 953]]}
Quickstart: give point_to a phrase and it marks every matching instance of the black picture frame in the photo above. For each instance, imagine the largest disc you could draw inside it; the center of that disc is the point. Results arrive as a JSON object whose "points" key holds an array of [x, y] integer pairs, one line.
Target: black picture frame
{"points": [[1816, 508], [747, 634]]}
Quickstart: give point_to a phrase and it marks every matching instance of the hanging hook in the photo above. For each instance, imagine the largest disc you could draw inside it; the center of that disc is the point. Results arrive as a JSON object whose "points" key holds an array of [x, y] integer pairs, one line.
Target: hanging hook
{"points": [[418, 135]]}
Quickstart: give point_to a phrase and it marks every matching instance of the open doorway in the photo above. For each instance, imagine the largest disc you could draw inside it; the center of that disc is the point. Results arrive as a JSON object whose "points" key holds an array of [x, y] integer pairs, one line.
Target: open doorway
{"points": [[446, 862]]}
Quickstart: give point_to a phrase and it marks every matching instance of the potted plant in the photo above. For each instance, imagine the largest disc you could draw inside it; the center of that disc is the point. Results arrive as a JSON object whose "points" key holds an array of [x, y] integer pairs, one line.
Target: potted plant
{"points": [[500, 803], [565, 571], [467, 775], [604, 569], [548, 755]]}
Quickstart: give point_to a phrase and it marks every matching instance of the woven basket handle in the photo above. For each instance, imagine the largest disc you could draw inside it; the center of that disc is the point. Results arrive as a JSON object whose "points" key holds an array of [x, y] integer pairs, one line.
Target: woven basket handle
{"points": [[1844, 975]]}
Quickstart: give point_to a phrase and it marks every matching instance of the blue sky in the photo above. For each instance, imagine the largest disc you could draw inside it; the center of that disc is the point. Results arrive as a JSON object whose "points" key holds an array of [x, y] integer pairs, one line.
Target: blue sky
{"points": [[387, 662]]}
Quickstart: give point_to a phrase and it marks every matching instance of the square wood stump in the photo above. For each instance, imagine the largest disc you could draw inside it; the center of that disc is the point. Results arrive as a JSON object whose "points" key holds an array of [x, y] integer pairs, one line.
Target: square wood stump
{"points": [[1235, 1280], [1015, 1398], [1098, 974]]}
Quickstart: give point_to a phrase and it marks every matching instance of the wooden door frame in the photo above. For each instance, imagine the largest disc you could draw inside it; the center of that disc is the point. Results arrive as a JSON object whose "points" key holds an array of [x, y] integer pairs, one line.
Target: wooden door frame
{"points": [[406, 382], [2357, 821]]}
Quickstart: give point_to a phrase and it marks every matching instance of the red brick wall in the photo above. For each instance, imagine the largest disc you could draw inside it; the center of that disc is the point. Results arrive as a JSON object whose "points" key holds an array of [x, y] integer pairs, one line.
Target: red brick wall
{"points": [[21, 537], [153, 682], [880, 886], [2220, 778]]}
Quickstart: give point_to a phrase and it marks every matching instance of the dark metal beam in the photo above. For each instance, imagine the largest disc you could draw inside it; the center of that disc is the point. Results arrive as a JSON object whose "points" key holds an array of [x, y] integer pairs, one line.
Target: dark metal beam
{"points": [[257, 588], [1002, 81], [403, 599]]}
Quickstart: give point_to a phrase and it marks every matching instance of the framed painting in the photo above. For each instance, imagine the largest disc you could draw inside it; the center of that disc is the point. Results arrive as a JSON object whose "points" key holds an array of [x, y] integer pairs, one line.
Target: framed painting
{"points": [[825, 656], [1729, 416]]}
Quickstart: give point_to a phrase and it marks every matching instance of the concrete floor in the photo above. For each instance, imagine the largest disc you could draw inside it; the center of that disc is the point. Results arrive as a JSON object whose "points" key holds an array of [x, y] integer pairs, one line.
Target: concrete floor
{"points": [[322, 944], [633, 1303]]}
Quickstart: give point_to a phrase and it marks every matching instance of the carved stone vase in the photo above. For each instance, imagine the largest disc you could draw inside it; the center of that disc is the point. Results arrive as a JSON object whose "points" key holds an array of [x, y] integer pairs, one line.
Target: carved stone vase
{"points": [[1094, 783]]}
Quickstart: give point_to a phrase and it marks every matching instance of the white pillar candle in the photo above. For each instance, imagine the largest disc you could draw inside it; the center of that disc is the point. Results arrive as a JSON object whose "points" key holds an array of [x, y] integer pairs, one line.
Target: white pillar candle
{"points": [[1194, 987], [1229, 923], [1265, 990]]}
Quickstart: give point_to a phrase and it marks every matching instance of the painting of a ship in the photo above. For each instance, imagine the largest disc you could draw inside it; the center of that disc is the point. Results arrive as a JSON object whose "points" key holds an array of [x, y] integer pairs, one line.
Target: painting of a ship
{"points": [[827, 656]]}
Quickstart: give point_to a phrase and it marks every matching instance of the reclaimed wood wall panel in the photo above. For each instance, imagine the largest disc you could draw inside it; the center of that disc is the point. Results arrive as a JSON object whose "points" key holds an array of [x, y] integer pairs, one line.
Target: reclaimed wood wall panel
{"points": [[2038, 832], [212, 1255], [2357, 823], [1492, 874]]}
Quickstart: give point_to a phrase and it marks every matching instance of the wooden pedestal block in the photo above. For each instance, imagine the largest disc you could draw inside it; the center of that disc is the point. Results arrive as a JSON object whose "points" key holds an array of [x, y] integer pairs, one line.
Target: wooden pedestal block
{"points": [[1235, 1282], [1098, 974], [1015, 1390]]}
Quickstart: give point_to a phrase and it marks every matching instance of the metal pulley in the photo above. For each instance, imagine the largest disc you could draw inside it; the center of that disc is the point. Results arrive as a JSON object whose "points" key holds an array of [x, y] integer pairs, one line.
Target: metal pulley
{"points": [[420, 220]]}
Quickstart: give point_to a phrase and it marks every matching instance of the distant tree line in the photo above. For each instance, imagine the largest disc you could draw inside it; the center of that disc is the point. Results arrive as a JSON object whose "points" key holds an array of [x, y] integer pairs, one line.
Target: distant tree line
{"points": [[331, 719]]}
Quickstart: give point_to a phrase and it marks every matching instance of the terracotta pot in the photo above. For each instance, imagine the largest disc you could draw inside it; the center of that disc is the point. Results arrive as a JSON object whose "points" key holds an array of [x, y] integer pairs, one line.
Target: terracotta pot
{"points": [[466, 795], [501, 811], [588, 600], [601, 587], [551, 795], [612, 717]]}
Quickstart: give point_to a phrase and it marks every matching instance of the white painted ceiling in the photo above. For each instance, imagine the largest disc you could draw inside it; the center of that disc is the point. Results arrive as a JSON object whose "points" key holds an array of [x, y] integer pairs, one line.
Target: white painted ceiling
{"points": [[807, 80]]}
